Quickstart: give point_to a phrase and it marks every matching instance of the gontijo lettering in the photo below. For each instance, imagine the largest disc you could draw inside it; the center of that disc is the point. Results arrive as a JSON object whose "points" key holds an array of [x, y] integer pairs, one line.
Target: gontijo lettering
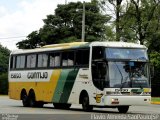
{"points": [[37, 75]]}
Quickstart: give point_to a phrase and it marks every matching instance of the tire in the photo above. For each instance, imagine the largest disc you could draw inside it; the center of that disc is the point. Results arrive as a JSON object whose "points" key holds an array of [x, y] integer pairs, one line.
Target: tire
{"points": [[123, 109], [32, 101], [25, 100], [85, 104]]}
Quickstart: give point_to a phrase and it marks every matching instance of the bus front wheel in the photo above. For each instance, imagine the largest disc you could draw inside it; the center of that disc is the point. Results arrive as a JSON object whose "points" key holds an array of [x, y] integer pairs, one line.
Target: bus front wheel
{"points": [[123, 109], [85, 104]]}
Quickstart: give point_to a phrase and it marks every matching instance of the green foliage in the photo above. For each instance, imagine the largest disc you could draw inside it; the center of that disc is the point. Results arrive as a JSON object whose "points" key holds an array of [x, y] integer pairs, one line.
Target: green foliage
{"points": [[4, 83], [33, 40], [155, 99], [140, 20], [4, 60], [66, 25], [155, 59]]}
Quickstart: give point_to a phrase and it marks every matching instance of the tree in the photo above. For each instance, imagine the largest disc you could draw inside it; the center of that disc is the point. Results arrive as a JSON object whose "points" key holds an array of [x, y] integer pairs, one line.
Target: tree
{"points": [[135, 19], [117, 13], [4, 60], [66, 24], [33, 40]]}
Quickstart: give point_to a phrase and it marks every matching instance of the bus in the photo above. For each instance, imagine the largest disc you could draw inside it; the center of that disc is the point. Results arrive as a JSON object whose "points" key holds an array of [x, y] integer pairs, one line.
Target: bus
{"points": [[95, 74]]}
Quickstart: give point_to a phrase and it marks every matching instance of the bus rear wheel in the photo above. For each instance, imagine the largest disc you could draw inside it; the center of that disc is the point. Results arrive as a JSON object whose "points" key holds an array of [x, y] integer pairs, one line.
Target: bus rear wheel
{"points": [[123, 109], [85, 104], [25, 100], [32, 99]]}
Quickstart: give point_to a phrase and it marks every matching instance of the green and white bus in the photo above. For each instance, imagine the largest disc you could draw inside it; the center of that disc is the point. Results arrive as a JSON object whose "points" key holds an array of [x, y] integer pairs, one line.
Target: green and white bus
{"points": [[96, 74]]}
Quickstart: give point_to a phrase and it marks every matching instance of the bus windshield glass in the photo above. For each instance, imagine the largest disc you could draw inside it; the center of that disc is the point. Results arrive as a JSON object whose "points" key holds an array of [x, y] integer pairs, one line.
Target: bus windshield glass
{"points": [[126, 53], [128, 74]]}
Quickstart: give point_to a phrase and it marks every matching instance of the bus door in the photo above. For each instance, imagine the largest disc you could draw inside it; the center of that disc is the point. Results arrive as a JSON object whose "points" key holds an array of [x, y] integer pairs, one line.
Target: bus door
{"points": [[99, 72]]}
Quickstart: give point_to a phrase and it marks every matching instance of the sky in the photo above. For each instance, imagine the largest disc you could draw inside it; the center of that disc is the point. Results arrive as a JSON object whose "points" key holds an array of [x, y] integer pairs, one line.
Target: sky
{"points": [[18, 18]]}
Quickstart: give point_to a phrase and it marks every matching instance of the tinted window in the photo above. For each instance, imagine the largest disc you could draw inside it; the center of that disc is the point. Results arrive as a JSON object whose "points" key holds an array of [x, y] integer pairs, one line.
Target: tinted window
{"points": [[54, 60], [42, 60], [126, 53], [97, 53], [64, 59], [20, 61], [71, 58], [51, 60], [57, 59], [12, 63], [68, 58], [31, 61], [82, 57]]}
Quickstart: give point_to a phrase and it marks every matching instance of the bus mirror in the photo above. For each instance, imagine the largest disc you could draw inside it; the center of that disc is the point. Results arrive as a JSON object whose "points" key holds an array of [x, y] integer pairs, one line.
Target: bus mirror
{"points": [[152, 71]]}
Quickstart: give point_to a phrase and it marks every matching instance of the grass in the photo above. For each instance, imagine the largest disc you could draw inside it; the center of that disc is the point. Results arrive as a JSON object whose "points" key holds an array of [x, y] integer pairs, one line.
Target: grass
{"points": [[155, 99]]}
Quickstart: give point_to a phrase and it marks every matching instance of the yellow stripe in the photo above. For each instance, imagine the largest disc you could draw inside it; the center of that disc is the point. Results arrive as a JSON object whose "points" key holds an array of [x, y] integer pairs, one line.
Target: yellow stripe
{"points": [[54, 80], [49, 87]]}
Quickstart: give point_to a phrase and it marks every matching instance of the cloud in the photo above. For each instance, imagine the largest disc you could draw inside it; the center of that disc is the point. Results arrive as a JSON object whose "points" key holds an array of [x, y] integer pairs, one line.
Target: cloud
{"points": [[26, 18], [3, 11]]}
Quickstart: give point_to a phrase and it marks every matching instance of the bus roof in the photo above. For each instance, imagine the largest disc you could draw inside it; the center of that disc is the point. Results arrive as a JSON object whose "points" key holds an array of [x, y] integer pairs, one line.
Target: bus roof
{"points": [[78, 45], [117, 44]]}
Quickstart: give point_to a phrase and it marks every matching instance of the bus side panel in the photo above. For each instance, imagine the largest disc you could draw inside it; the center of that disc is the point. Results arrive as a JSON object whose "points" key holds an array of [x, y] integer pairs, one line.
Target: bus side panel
{"points": [[83, 83], [64, 86]]}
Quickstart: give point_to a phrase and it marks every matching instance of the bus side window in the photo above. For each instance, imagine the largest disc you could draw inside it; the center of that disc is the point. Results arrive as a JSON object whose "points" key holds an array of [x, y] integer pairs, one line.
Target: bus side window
{"points": [[54, 60], [82, 57], [42, 60], [51, 60], [71, 57], [98, 53], [64, 58], [31, 61], [68, 58], [12, 63], [57, 60], [20, 61]]}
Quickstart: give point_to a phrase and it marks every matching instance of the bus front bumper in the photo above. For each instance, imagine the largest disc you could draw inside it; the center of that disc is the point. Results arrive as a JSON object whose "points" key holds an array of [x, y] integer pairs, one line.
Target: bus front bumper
{"points": [[127, 100]]}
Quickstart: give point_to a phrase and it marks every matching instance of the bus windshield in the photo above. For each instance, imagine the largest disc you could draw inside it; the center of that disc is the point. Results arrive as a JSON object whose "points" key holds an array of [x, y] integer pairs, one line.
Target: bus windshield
{"points": [[128, 74], [126, 53]]}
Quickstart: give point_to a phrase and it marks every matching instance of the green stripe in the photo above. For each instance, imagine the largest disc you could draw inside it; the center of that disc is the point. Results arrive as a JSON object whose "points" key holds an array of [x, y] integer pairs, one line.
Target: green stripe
{"points": [[68, 86], [60, 85]]}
